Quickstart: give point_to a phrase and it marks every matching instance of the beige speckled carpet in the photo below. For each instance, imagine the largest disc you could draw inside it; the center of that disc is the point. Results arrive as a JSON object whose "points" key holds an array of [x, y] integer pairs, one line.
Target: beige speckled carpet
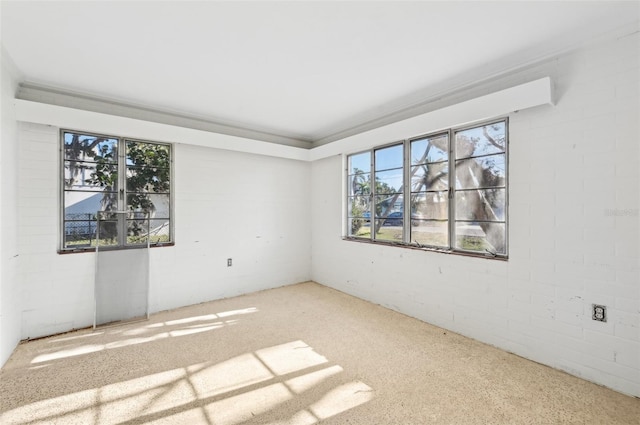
{"points": [[301, 354]]}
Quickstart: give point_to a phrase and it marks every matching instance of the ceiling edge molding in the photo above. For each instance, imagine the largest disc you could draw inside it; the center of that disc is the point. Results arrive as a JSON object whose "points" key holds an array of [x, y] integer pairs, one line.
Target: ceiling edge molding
{"points": [[80, 119], [60, 97], [499, 103]]}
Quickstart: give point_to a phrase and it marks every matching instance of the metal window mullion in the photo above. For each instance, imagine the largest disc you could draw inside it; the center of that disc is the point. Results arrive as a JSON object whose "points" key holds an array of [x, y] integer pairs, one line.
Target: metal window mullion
{"points": [[95, 272], [346, 228], [506, 185], [62, 194], [122, 192], [406, 195], [452, 185], [470, 189], [148, 277], [372, 190], [486, 155], [468, 220]]}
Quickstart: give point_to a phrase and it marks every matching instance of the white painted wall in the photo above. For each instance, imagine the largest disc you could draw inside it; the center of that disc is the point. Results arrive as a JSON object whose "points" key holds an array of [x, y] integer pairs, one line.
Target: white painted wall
{"points": [[252, 208], [574, 231], [10, 294]]}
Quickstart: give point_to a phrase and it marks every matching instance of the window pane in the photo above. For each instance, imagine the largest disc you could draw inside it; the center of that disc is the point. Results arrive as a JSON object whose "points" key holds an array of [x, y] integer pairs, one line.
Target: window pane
{"points": [[481, 205], [78, 203], [108, 232], [90, 176], [82, 147], [428, 232], [391, 228], [360, 162], [481, 237], [360, 228], [430, 205], [148, 179], [389, 181], [430, 149], [80, 231], [157, 205], [148, 154], [430, 177], [160, 231], [148, 167], [360, 184], [386, 204], [359, 206], [137, 231], [388, 158], [394, 218], [483, 140], [486, 171]]}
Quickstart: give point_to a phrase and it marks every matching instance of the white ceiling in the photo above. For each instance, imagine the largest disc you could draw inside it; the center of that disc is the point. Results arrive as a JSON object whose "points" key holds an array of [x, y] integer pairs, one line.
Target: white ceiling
{"points": [[306, 70]]}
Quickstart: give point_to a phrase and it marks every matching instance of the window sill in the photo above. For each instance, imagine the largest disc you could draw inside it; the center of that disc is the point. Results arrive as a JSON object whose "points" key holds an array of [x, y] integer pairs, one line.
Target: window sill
{"points": [[118, 248], [486, 256]]}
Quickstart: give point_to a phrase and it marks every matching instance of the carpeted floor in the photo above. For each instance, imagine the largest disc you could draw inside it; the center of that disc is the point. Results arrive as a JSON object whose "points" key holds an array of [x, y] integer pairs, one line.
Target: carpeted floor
{"points": [[301, 354]]}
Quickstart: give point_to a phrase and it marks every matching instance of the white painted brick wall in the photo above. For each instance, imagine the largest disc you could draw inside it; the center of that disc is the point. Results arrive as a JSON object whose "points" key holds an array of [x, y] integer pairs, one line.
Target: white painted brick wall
{"points": [[10, 295], [574, 231], [254, 209]]}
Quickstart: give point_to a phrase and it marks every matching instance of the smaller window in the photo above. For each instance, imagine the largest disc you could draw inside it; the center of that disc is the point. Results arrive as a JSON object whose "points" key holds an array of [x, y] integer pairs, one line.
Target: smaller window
{"points": [[108, 174]]}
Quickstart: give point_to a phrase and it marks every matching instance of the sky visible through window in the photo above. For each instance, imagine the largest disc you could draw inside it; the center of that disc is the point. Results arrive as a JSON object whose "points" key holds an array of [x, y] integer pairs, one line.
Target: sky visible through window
{"points": [[390, 158]]}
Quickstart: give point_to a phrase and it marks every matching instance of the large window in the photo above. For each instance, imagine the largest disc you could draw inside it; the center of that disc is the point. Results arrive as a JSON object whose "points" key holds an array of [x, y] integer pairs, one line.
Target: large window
{"points": [[444, 191], [108, 174]]}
